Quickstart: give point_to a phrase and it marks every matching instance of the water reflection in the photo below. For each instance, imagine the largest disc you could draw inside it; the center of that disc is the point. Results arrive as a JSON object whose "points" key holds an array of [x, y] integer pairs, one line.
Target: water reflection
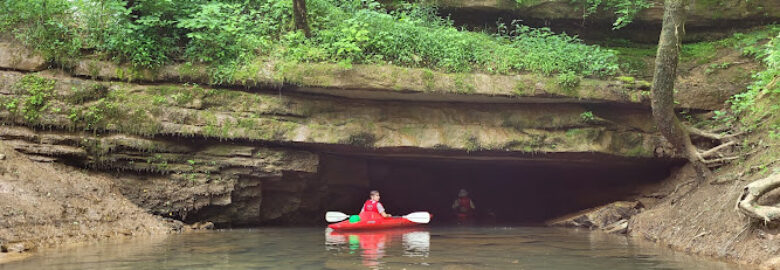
{"points": [[482, 248], [373, 245]]}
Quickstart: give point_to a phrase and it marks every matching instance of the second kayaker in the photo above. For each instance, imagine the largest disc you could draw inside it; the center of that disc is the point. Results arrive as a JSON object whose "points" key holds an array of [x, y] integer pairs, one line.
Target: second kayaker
{"points": [[373, 207], [464, 207]]}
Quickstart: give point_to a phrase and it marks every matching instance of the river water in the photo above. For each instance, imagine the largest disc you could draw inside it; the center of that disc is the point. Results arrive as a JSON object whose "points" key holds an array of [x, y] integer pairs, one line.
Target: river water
{"points": [[423, 248]]}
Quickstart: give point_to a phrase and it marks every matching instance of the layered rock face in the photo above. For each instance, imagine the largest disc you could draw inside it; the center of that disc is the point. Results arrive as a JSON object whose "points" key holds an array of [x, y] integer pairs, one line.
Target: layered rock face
{"points": [[241, 158], [178, 177], [700, 13], [705, 19], [253, 153]]}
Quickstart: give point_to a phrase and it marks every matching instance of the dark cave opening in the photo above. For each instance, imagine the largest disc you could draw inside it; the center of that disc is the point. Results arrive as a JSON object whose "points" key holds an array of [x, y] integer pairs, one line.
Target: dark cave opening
{"points": [[523, 191]]}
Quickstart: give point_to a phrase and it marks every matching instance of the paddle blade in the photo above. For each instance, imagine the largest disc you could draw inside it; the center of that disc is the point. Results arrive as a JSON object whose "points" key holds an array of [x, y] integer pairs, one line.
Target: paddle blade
{"points": [[333, 216], [419, 217]]}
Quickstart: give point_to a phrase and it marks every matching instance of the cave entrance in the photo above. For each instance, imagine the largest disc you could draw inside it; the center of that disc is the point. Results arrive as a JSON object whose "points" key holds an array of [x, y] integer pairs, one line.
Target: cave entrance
{"points": [[505, 190]]}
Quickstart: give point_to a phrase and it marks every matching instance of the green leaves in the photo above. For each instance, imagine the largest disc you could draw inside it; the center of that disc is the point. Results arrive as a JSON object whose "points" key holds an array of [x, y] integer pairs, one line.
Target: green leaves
{"points": [[221, 33], [38, 91], [587, 116], [44, 25], [414, 36], [625, 10], [229, 34]]}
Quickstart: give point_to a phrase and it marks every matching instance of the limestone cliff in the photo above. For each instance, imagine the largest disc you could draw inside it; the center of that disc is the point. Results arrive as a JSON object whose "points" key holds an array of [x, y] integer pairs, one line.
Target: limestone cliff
{"points": [[251, 151]]}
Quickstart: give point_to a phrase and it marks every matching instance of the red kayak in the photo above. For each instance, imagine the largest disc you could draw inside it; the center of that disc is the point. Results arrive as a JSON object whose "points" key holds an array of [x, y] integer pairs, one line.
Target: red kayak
{"points": [[374, 222]]}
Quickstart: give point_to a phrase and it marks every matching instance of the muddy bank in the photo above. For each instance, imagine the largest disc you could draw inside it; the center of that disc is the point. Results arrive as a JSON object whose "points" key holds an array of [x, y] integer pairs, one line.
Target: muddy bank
{"points": [[703, 220], [50, 204]]}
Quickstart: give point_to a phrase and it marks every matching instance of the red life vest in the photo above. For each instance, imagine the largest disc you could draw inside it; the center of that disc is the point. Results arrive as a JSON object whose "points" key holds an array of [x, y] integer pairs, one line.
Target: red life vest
{"points": [[465, 204], [370, 210], [371, 206]]}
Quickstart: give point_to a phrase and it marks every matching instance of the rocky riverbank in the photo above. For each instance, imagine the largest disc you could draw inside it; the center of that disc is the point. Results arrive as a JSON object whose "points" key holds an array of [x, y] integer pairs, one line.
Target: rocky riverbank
{"points": [[47, 204]]}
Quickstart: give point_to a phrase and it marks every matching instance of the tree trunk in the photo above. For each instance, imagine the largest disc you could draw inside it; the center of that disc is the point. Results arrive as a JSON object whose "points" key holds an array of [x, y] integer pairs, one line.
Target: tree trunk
{"points": [[299, 14], [748, 202], [663, 85]]}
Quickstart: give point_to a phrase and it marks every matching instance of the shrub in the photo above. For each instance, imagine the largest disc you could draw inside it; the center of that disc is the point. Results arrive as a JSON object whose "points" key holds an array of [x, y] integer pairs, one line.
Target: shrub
{"points": [[39, 91], [221, 33], [229, 34], [44, 25]]}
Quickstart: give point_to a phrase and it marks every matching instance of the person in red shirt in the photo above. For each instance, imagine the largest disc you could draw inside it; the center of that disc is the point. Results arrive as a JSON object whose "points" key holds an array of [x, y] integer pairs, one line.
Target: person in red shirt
{"points": [[372, 206], [464, 206]]}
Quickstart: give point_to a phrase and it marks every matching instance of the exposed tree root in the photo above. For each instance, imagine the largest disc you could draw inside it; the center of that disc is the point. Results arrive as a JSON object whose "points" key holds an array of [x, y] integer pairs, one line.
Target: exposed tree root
{"points": [[721, 154], [724, 159], [711, 135], [748, 201], [715, 149]]}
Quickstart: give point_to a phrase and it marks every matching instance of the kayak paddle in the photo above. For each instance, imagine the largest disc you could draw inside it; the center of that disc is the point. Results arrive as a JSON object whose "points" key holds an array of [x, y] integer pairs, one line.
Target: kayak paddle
{"points": [[417, 217], [333, 216]]}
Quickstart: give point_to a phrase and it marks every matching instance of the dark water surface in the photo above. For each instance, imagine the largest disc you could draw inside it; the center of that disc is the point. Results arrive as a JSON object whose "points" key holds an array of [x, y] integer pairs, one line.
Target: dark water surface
{"points": [[424, 248]]}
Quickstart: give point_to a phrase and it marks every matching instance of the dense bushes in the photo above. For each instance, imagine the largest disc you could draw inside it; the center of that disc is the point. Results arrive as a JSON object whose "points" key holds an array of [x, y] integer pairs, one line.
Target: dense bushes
{"points": [[231, 33], [764, 82]]}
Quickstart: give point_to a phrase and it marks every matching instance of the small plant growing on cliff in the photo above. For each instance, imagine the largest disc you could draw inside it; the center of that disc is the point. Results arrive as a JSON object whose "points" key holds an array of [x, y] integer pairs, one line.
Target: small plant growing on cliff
{"points": [[587, 116], [461, 86], [89, 93], [38, 90], [96, 116], [568, 82], [12, 105]]}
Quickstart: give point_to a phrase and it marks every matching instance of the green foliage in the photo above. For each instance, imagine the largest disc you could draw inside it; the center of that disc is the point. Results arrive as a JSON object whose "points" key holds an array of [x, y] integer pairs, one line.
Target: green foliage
{"points": [[568, 82], [88, 93], [701, 53], [722, 118], [44, 25], [759, 102], [158, 162], [223, 34], [632, 58], [38, 91], [144, 34], [625, 10], [11, 105], [764, 82], [626, 79], [543, 51], [96, 116], [587, 116], [159, 100], [750, 44], [774, 132], [229, 35], [462, 86]]}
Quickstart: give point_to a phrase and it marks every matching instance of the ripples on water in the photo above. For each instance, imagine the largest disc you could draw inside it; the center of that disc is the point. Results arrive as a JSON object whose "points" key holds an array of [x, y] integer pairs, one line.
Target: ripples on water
{"points": [[423, 248]]}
